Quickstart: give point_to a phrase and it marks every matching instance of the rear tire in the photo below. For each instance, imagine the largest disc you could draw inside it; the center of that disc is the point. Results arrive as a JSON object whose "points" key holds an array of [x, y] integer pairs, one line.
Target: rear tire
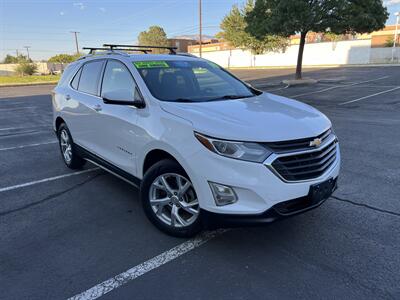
{"points": [[169, 199], [68, 150]]}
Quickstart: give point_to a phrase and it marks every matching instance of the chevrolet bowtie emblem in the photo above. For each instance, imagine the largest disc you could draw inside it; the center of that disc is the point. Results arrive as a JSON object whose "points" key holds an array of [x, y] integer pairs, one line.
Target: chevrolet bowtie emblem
{"points": [[316, 142]]}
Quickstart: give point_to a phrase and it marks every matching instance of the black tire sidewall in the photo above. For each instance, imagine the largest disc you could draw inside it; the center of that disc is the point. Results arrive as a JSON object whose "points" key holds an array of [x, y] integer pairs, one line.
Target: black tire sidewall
{"points": [[159, 168], [76, 161]]}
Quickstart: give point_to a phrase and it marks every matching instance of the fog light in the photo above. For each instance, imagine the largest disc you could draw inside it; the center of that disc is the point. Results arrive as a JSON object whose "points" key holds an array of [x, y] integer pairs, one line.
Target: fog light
{"points": [[223, 194]]}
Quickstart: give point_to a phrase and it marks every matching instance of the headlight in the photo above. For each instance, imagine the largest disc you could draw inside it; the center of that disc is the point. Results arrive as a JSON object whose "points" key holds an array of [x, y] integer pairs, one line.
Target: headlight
{"points": [[239, 150]]}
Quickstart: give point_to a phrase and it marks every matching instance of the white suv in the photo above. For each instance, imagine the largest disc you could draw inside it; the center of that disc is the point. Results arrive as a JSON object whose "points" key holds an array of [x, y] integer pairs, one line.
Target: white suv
{"points": [[202, 145]]}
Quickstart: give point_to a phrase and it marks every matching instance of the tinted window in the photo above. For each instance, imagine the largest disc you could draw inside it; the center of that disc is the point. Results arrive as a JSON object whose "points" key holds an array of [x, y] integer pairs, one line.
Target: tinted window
{"points": [[117, 78], [89, 80], [75, 81], [191, 81], [210, 80]]}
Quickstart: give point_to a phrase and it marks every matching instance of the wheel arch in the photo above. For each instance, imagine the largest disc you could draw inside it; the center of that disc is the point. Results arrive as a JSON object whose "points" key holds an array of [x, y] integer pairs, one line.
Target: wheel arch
{"points": [[155, 156], [58, 123]]}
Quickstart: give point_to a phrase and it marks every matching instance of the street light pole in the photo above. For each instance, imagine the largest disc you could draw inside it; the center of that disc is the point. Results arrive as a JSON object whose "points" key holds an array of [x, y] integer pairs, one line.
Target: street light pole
{"points": [[397, 14], [27, 50], [76, 40], [200, 30]]}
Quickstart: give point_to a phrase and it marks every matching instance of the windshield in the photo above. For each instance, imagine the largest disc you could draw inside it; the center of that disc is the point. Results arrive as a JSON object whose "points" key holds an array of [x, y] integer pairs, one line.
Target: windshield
{"points": [[191, 81]]}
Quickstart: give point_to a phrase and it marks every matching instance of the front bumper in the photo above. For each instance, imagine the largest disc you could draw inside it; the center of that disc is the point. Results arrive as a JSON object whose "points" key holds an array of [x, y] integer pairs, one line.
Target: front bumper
{"points": [[278, 211], [258, 188]]}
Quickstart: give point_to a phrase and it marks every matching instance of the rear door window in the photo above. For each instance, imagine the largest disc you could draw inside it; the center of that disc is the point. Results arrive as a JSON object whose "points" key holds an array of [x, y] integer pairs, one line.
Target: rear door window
{"points": [[90, 75]]}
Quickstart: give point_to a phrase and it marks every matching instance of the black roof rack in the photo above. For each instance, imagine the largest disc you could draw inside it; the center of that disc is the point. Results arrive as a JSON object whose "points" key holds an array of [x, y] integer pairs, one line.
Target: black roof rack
{"points": [[94, 49], [145, 51], [114, 46]]}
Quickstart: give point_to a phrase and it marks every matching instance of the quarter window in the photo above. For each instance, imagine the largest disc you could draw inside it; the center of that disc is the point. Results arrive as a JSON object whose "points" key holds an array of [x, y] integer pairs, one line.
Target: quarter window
{"points": [[90, 75], [75, 81]]}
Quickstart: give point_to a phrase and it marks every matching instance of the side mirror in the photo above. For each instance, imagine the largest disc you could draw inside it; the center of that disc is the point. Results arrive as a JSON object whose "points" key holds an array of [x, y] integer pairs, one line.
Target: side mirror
{"points": [[124, 97]]}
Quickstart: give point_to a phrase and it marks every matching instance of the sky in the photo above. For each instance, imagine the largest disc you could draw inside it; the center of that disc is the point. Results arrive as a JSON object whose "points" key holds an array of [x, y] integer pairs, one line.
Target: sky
{"points": [[46, 25]]}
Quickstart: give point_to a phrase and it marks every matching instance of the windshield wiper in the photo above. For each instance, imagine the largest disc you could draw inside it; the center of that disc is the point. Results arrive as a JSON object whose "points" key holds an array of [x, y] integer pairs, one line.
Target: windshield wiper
{"points": [[182, 100], [231, 97]]}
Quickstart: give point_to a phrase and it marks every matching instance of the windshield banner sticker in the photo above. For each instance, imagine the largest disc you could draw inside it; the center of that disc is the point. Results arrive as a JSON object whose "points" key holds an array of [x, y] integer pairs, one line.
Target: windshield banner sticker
{"points": [[214, 65], [150, 64]]}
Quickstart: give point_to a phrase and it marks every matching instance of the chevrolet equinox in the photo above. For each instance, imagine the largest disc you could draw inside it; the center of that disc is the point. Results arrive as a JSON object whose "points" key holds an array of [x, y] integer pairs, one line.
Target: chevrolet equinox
{"points": [[202, 145]]}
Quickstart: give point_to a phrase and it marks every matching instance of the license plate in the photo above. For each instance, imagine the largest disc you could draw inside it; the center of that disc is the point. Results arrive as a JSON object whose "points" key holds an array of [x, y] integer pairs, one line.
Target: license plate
{"points": [[322, 191]]}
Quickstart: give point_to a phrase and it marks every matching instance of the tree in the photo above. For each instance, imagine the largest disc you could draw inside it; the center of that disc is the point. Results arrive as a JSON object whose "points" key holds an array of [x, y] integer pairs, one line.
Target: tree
{"points": [[333, 37], [233, 30], [64, 58], [288, 17], [9, 59], [154, 36], [25, 68]]}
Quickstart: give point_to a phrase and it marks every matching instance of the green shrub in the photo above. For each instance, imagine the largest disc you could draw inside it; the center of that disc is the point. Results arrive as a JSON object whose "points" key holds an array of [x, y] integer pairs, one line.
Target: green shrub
{"points": [[26, 68], [64, 58], [389, 42]]}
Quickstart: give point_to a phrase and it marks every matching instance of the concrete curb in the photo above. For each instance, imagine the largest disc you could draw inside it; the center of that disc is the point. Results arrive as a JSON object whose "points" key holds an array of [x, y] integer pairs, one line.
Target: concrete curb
{"points": [[304, 81], [332, 80], [28, 84]]}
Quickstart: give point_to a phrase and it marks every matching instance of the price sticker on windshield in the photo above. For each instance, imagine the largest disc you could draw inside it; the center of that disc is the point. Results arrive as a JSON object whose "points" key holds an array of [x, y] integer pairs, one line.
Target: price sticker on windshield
{"points": [[151, 64]]}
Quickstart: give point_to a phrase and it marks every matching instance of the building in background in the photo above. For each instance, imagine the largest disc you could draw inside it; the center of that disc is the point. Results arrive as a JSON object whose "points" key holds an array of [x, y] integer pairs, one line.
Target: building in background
{"points": [[184, 42], [181, 44], [384, 37], [215, 46]]}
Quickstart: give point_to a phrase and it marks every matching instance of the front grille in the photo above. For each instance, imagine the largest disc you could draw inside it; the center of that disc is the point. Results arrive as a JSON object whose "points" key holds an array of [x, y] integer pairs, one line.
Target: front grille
{"points": [[296, 145], [305, 166]]}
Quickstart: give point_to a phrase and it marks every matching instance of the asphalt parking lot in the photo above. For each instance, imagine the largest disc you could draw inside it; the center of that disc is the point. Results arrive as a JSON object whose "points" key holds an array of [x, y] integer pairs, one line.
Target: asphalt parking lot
{"points": [[63, 233]]}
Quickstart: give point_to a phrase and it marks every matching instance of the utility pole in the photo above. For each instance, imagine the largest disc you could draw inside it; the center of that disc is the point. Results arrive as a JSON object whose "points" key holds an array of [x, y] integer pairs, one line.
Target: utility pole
{"points": [[27, 50], [200, 30], [397, 14], [16, 50], [76, 40]]}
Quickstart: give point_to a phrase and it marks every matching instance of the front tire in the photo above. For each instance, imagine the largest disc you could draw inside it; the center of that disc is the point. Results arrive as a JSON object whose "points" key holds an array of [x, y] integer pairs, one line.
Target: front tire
{"points": [[67, 147], [169, 199]]}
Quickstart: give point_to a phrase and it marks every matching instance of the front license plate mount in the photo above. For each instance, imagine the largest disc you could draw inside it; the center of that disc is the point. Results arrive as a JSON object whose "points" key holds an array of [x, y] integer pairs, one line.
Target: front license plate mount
{"points": [[322, 191]]}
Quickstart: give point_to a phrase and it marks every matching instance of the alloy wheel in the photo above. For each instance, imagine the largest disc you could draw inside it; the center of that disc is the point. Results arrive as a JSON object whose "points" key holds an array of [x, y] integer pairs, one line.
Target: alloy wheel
{"points": [[66, 147], [173, 200]]}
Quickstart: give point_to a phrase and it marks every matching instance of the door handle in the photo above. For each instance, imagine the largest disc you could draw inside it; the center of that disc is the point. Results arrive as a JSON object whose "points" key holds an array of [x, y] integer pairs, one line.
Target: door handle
{"points": [[97, 107], [67, 97]]}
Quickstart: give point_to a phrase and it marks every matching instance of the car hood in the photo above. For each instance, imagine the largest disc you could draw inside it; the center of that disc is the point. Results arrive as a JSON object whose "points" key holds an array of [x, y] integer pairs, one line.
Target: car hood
{"points": [[262, 118]]}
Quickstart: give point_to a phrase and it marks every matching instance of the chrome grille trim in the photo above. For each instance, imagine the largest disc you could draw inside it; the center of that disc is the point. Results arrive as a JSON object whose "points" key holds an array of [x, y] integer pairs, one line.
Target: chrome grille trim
{"points": [[296, 145], [298, 166]]}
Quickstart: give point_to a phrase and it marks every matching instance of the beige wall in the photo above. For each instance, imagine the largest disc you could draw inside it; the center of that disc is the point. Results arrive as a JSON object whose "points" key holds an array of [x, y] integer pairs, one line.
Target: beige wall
{"points": [[43, 68], [326, 53]]}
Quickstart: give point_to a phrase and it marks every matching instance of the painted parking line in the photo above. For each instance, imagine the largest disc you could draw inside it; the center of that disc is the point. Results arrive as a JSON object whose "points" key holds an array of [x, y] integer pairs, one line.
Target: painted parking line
{"points": [[339, 86], [278, 89], [17, 108], [27, 146], [319, 91], [22, 133], [18, 186], [121, 279], [369, 96], [19, 128]]}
